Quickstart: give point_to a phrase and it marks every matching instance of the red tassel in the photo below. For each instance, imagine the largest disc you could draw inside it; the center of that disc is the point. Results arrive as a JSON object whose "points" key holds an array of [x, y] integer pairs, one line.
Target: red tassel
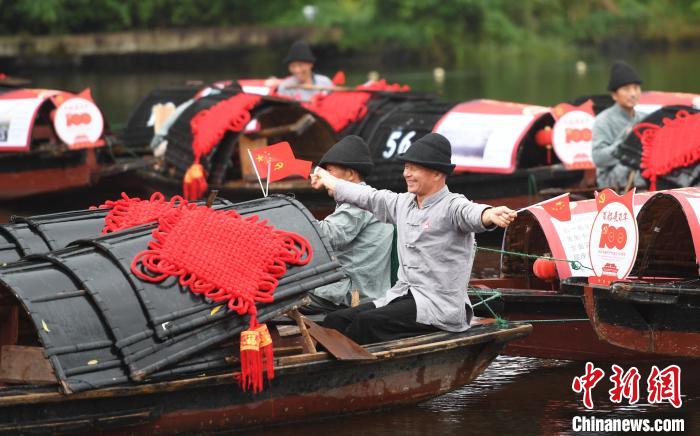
{"points": [[251, 361], [195, 182], [267, 350]]}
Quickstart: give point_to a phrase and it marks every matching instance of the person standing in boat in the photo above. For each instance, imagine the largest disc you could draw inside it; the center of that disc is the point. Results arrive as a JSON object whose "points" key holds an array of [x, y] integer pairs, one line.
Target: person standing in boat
{"points": [[613, 125], [300, 62], [436, 247], [361, 243]]}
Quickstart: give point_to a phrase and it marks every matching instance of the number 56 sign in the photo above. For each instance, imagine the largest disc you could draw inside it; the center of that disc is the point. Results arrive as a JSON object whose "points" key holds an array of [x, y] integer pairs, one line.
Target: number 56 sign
{"points": [[614, 237]]}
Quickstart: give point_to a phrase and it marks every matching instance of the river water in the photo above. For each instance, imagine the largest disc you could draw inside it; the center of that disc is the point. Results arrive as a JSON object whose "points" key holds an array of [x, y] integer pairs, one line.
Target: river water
{"points": [[514, 395]]}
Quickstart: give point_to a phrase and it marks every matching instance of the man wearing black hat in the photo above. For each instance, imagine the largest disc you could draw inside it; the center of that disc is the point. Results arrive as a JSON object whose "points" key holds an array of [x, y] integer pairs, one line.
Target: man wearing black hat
{"points": [[300, 61], [613, 125], [361, 243], [435, 230]]}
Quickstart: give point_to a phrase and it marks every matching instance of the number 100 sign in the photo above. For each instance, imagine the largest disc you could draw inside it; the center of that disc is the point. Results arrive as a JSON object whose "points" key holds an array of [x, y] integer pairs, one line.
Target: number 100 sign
{"points": [[614, 236]]}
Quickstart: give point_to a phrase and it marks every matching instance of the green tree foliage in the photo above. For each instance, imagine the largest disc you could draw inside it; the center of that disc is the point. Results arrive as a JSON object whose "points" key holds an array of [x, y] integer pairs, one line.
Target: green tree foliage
{"points": [[441, 28]]}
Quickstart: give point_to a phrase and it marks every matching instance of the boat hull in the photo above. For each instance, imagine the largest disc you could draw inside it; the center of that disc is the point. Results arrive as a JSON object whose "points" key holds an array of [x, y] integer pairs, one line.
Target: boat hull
{"points": [[304, 387], [645, 321], [561, 327]]}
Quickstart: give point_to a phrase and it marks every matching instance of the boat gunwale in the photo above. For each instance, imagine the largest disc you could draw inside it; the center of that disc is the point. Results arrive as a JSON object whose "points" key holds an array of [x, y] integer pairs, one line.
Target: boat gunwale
{"points": [[515, 330]]}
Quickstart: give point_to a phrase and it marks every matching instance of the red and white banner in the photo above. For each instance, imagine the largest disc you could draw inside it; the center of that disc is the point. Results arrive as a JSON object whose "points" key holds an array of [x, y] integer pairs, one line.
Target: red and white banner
{"points": [[651, 101], [18, 110], [569, 239], [485, 134], [614, 237]]}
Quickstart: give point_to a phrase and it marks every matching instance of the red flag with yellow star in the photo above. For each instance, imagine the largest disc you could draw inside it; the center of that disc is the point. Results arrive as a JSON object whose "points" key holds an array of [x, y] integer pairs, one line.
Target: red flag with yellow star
{"points": [[280, 161], [558, 207]]}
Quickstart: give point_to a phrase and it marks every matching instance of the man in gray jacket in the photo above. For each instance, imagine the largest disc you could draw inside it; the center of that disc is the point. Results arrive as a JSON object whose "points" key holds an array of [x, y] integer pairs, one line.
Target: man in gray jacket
{"points": [[361, 243], [613, 125], [436, 246]]}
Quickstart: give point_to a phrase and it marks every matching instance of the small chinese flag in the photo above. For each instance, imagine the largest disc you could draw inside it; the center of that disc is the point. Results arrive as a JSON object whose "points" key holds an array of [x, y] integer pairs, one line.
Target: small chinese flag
{"points": [[558, 207], [339, 78], [282, 162]]}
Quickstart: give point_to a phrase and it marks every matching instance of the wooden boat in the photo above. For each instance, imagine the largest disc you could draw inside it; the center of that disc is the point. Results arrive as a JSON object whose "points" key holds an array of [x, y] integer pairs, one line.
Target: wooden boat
{"points": [[561, 326], [505, 164], [54, 140], [656, 309], [305, 386], [85, 346]]}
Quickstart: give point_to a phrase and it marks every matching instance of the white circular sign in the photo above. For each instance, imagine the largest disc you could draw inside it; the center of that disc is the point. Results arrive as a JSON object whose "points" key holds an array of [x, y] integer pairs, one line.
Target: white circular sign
{"points": [[572, 139], [78, 122], [613, 242]]}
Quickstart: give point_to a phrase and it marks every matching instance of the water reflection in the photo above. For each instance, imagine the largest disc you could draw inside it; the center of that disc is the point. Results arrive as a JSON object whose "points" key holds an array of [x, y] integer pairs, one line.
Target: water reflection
{"points": [[515, 395]]}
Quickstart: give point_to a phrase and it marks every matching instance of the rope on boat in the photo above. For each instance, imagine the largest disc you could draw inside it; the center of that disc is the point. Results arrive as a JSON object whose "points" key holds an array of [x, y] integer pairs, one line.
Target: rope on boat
{"points": [[502, 322], [575, 264]]}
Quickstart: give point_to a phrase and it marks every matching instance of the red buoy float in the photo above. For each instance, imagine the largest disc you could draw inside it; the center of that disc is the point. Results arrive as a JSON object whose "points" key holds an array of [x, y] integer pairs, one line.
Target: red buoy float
{"points": [[543, 138], [545, 269]]}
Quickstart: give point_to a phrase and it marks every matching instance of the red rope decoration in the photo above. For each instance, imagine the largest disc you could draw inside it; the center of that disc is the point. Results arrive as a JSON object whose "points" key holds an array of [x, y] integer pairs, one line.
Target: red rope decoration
{"points": [[131, 212], [208, 129], [674, 145], [210, 125], [342, 108], [227, 259]]}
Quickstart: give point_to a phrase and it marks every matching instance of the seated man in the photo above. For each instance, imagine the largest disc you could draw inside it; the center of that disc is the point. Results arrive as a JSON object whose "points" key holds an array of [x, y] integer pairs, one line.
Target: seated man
{"points": [[613, 125], [435, 244], [300, 62], [361, 243]]}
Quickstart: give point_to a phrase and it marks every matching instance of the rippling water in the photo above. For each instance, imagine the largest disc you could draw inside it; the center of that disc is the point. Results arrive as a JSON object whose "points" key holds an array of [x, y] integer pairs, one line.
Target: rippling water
{"points": [[515, 395]]}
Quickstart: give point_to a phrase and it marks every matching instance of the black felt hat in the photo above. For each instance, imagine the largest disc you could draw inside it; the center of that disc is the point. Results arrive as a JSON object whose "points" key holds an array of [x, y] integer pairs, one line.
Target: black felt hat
{"points": [[432, 151], [352, 152], [300, 51], [621, 74]]}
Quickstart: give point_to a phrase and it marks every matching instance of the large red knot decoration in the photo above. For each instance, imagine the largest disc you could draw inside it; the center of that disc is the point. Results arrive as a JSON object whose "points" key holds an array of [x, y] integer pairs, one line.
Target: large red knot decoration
{"points": [[227, 259], [132, 211], [676, 144], [342, 108], [208, 129]]}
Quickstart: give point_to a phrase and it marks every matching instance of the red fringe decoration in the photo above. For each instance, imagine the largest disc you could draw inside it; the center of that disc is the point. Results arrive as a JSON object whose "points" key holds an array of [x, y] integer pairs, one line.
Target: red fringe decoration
{"points": [[194, 184], [676, 144], [251, 361], [130, 212], [225, 258], [342, 108], [267, 350]]}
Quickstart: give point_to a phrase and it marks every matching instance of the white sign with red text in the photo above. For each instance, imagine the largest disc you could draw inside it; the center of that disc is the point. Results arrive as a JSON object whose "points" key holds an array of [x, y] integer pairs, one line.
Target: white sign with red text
{"points": [[614, 237], [572, 135], [78, 122]]}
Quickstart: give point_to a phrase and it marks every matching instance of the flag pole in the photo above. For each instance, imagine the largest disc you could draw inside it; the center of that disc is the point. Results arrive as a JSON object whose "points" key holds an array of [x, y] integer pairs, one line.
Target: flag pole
{"points": [[255, 167], [543, 201], [267, 180]]}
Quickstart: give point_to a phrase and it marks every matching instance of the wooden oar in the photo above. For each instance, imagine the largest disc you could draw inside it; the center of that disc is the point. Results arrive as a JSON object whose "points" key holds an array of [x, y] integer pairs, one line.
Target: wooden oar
{"points": [[15, 82], [339, 345], [335, 88]]}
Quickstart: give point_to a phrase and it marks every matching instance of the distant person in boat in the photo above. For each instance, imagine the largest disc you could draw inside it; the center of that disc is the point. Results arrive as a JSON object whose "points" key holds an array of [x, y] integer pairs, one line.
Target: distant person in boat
{"points": [[361, 243], [300, 62], [436, 247], [613, 125]]}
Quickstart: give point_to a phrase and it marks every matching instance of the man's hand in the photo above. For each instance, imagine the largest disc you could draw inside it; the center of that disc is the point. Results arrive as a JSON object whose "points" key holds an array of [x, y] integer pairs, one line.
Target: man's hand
{"points": [[321, 178], [501, 216]]}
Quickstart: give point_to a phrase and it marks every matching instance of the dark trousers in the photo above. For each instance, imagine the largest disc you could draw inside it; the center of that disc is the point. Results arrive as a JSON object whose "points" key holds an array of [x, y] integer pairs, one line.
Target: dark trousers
{"points": [[366, 324]]}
